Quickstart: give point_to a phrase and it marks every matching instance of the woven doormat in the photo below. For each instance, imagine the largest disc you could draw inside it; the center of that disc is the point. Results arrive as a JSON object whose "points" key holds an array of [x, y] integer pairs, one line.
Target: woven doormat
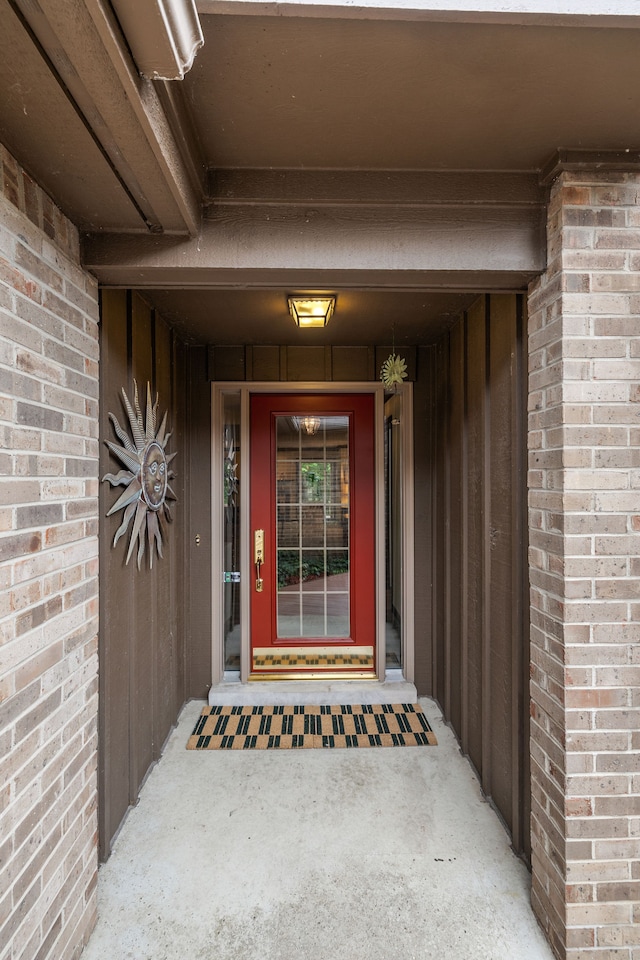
{"points": [[304, 727]]}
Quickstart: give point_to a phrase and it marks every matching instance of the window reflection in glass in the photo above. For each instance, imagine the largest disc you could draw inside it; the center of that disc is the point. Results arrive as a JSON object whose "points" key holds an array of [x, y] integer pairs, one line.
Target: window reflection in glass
{"points": [[312, 533]]}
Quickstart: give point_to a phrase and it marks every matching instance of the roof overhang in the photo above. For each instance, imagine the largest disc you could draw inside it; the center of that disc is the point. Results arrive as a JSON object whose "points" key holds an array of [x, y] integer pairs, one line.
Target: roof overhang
{"points": [[391, 147]]}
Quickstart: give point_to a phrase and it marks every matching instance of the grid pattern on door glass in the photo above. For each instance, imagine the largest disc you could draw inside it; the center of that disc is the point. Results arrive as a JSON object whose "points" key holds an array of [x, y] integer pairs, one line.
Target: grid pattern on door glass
{"points": [[312, 527]]}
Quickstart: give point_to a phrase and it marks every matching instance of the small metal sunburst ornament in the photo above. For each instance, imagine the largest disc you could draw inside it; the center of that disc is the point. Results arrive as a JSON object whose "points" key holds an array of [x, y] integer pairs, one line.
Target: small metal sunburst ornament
{"points": [[146, 478], [393, 371]]}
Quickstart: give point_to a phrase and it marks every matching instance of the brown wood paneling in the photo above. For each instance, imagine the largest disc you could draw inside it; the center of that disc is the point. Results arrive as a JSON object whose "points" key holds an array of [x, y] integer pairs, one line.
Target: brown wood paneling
{"points": [[177, 543], [114, 617], [164, 655], [352, 363], [142, 616], [456, 668], [144, 613], [226, 363], [521, 717], [521, 556], [423, 585], [478, 595], [501, 371], [265, 363], [306, 363], [474, 479], [441, 457]]}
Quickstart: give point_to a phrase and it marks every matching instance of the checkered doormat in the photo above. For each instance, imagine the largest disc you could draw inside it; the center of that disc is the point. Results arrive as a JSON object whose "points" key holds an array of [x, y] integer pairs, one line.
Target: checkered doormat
{"points": [[292, 727]]}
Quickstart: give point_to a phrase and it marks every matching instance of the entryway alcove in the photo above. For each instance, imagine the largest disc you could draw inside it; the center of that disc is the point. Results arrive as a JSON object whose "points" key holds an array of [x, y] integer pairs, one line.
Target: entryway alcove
{"points": [[467, 595]]}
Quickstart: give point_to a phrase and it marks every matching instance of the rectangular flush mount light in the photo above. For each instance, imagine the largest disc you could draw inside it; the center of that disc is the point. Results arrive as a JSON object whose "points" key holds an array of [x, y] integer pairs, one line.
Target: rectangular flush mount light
{"points": [[311, 312]]}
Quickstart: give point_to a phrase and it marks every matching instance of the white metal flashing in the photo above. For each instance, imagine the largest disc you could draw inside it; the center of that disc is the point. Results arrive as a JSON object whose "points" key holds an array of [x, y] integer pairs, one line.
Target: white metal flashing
{"points": [[595, 13]]}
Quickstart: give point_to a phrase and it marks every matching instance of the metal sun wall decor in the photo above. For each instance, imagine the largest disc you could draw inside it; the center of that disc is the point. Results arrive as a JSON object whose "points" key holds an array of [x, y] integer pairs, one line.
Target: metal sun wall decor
{"points": [[146, 478]]}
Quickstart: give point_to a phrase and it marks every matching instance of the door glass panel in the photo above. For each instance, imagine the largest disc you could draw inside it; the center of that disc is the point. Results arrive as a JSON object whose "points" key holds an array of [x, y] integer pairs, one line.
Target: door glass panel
{"points": [[312, 526], [393, 466], [312, 530], [231, 529]]}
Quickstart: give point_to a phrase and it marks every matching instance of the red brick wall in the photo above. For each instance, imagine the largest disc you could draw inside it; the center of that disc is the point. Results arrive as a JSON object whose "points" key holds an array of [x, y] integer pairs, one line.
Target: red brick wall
{"points": [[48, 577]]}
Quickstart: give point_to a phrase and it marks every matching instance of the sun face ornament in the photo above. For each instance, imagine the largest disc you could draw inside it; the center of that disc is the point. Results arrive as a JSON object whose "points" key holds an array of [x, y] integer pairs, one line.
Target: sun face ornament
{"points": [[146, 477]]}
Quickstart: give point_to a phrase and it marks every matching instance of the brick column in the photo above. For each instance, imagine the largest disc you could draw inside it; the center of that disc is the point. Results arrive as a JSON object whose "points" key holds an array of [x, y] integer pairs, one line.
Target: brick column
{"points": [[48, 578], [584, 516]]}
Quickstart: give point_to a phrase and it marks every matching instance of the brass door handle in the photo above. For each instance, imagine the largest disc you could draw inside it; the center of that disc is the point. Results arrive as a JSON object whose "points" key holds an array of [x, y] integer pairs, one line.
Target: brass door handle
{"points": [[258, 556]]}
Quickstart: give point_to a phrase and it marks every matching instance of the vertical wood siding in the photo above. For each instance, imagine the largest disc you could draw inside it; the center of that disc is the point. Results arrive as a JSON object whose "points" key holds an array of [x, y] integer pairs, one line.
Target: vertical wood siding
{"points": [[197, 586], [471, 546], [143, 616]]}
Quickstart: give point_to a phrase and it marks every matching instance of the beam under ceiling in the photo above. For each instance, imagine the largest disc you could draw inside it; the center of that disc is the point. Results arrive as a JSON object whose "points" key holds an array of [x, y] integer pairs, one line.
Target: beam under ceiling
{"points": [[265, 246]]}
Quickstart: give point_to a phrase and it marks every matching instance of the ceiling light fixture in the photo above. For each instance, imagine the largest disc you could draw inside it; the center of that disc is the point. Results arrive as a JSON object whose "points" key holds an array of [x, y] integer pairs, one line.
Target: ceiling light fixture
{"points": [[308, 425], [311, 311]]}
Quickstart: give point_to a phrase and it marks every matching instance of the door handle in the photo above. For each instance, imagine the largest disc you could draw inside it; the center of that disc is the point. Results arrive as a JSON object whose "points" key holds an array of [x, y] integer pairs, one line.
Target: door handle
{"points": [[258, 556]]}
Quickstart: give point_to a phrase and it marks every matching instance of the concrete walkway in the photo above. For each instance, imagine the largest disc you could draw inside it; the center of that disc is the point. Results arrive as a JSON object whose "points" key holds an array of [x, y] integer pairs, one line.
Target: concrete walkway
{"points": [[387, 854]]}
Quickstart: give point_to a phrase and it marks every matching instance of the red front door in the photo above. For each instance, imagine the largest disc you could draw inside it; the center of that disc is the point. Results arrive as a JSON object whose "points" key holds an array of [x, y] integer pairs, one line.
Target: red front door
{"points": [[313, 535]]}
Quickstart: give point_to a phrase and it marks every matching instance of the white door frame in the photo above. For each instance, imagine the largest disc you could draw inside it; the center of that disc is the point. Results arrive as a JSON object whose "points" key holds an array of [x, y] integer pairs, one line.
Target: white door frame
{"points": [[244, 389]]}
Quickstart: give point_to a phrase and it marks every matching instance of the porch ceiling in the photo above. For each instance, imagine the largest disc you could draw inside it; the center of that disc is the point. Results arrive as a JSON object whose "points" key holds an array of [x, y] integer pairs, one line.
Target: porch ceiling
{"points": [[261, 316], [291, 91], [347, 102]]}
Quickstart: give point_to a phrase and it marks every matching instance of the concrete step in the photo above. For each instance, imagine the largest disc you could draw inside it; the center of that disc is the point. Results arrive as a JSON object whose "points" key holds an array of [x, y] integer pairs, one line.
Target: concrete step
{"points": [[394, 689]]}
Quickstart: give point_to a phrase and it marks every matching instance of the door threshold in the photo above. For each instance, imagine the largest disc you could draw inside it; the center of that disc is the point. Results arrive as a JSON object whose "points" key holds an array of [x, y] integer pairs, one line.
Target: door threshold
{"points": [[261, 692], [310, 662], [313, 663]]}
